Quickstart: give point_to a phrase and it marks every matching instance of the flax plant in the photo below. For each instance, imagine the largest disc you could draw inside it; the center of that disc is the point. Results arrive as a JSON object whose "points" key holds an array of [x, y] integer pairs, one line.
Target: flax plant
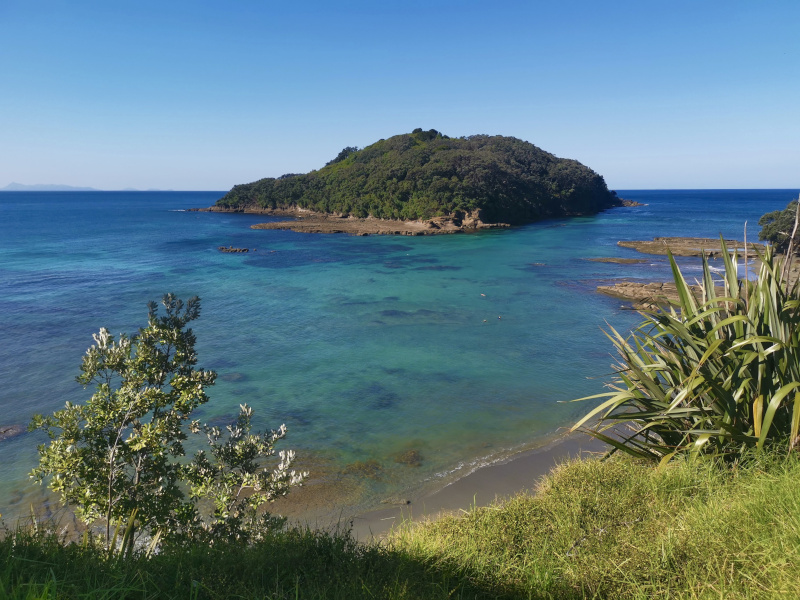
{"points": [[716, 374]]}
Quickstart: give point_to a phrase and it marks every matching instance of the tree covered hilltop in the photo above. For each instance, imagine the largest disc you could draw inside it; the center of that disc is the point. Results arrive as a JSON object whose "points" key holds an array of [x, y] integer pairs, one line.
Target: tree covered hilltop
{"points": [[425, 174]]}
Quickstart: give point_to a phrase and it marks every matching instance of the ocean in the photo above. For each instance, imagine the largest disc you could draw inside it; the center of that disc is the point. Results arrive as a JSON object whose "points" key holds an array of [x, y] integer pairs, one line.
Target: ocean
{"points": [[453, 350]]}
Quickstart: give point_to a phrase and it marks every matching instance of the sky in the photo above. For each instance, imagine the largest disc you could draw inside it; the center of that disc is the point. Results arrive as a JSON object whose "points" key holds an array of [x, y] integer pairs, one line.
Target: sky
{"points": [[203, 95]]}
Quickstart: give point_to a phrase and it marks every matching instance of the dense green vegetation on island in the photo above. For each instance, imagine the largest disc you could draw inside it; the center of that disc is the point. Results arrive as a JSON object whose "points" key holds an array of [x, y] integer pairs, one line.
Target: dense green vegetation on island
{"points": [[777, 227], [426, 174]]}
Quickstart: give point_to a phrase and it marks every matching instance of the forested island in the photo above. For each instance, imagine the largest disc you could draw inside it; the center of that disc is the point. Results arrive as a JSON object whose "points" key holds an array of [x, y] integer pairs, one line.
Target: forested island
{"points": [[441, 184]]}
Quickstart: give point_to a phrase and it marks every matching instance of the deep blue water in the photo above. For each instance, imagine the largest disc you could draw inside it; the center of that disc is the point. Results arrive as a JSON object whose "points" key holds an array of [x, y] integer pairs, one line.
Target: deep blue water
{"points": [[459, 347]]}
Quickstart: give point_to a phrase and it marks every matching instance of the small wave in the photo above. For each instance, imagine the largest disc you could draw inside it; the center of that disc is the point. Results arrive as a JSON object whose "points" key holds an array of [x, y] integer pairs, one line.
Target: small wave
{"points": [[462, 469], [176, 210], [466, 468]]}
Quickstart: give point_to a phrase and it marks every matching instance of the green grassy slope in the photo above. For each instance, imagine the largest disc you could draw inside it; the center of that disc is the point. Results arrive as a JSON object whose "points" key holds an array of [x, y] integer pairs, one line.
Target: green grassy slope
{"points": [[615, 529]]}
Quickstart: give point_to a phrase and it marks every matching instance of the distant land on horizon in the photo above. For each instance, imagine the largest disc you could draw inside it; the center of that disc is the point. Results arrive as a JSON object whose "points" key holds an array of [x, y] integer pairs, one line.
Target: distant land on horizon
{"points": [[45, 187], [58, 187]]}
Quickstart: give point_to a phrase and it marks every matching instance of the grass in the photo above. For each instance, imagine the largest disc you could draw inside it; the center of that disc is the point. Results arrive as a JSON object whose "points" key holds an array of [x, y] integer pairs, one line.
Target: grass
{"points": [[622, 529], [596, 529]]}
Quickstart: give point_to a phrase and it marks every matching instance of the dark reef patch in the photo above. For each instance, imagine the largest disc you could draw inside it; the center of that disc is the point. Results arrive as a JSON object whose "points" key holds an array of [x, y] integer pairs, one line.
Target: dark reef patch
{"points": [[438, 268], [234, 377]]}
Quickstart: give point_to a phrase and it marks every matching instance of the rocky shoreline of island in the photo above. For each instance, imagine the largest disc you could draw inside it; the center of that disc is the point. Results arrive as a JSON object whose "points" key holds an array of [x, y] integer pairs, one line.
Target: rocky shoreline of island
{"points": [[309, 221], [306, 221]]}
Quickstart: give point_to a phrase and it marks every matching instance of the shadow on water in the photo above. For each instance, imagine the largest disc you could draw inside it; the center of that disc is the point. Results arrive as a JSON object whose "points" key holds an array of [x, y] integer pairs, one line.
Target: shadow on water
{"points": [[221, 364], [233, 377], [246, 393], [425, 314], [374, 396]]}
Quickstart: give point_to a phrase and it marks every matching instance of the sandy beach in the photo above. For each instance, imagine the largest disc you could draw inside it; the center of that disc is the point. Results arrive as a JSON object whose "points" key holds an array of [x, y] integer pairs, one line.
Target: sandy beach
{"points": [[482, 487], [503, 479], [312, 505]]}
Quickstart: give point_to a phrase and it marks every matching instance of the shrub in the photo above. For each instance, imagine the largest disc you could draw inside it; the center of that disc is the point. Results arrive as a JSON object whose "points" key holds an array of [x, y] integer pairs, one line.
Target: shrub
{"points": [[718, 375], [120, 457], [778, 227]]}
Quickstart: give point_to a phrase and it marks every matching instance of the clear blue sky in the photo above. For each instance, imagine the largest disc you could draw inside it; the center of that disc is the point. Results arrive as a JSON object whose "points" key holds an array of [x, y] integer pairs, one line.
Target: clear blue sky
{"points": [[203, 95]]}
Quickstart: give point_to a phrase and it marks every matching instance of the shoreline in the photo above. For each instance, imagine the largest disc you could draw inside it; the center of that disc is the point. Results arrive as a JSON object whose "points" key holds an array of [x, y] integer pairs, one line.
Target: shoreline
{"points": [[516, 474], [503, 476], [498, 478], [690, 246], [647, 295], [506, 474], [306, 221]]}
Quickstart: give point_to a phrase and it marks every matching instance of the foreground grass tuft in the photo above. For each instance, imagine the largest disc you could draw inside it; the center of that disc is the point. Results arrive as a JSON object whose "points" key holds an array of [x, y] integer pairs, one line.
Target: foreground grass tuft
{"points": [[596, 529], [622, 529]]}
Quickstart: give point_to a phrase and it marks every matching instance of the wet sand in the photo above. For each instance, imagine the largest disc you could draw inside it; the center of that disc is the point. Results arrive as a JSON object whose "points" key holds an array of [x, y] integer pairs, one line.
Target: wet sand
{"points": [[517, 474], [314, 503]]}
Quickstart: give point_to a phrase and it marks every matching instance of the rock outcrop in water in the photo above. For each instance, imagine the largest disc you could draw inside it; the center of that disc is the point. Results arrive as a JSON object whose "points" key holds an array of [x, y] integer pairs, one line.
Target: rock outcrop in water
{"points": [[690, 246], [10, 431], [647, 295]]}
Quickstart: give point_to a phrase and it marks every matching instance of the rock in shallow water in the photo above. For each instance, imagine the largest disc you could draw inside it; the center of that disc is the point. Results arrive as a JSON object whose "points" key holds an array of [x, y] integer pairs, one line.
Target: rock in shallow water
{"points": [[10, 431], [412, 458]]}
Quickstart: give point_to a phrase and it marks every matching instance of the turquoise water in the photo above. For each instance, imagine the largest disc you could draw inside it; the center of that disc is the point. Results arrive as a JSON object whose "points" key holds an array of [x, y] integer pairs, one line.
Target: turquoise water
{"points": [[459, 347]]}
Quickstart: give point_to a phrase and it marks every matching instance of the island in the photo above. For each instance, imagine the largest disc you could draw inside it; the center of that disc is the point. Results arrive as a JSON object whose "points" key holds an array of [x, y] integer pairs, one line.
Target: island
{"points": [[425, 182]]}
